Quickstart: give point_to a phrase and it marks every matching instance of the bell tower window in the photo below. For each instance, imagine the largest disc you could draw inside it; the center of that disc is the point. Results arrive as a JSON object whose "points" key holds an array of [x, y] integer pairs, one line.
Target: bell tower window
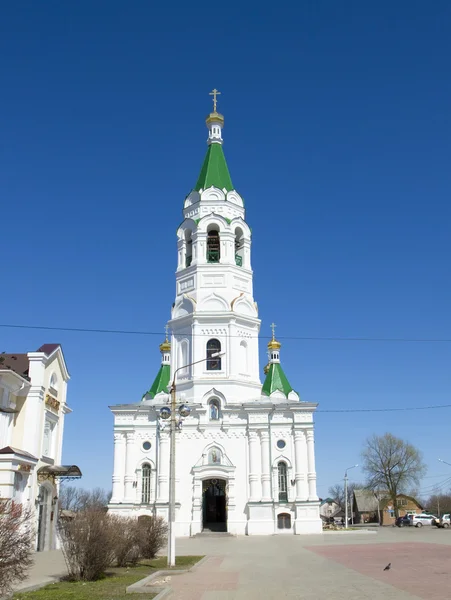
{"points": [[213, 249], [283, 485], [145, 483], [189, 248], [213, 361], [239, 247]]}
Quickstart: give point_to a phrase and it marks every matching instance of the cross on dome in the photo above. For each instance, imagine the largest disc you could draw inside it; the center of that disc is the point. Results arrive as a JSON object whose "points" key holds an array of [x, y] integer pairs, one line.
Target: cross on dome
{"points": [[214, 93]]}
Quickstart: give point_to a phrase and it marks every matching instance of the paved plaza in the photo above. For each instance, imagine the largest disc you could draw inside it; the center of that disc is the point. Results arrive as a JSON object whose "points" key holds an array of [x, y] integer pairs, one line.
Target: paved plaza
{"points": [[344, 566], [331, 566]]}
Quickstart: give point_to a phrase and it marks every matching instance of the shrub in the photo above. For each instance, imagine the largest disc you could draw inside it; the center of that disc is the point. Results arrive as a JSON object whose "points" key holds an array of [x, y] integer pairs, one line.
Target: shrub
{"points": [[152, 535], [16, 539], [126, 540], [88, 544]]}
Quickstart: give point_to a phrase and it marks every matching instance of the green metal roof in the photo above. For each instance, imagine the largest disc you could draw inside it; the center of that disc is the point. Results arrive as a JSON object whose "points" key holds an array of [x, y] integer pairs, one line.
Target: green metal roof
{"points": [[276, 380], [214, 170], [161, 381]]}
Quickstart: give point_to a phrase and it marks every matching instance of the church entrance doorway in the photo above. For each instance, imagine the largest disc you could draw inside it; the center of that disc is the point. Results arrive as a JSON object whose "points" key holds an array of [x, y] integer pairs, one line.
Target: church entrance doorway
{"points": [[214, 510]]}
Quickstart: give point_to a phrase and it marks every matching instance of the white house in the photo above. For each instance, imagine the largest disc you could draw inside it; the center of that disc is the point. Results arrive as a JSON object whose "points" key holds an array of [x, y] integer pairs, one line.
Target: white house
{"points": [[245, 457], [33, 390]]}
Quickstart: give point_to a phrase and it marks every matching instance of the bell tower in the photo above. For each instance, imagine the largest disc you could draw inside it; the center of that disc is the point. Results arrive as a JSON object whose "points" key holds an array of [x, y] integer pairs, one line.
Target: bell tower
{"points": [[214, 312]]}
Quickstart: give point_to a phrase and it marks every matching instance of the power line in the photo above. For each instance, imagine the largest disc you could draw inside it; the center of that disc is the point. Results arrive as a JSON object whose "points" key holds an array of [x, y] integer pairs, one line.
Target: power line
{"points": [[366, 410], [286, 337]]}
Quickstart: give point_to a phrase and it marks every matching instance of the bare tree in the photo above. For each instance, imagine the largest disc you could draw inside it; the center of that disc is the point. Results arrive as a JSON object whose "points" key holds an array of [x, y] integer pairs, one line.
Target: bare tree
{"points": [[337, 492], [392, 465], [16, 538], [76, 499]]}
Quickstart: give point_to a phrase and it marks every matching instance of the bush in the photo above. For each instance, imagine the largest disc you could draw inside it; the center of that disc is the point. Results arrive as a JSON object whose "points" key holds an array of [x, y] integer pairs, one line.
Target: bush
{"points": [[88, 543], [126, 541], [152, 535], [16, 539]]}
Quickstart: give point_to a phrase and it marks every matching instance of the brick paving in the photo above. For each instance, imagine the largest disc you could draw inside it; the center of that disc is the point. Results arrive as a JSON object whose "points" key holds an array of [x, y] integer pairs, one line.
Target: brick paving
{"points": [[208, 577], [422, 569]]}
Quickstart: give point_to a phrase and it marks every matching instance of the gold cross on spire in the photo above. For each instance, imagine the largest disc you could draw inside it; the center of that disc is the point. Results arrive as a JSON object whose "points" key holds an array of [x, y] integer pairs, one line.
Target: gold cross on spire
{"points": [[214, 93], [166, 329], [273, 327]]}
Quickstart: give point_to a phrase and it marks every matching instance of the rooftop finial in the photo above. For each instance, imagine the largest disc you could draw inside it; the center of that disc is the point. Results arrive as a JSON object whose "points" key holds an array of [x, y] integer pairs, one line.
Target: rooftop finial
{"points": [[214, 93], [166, 329], [273, 327], [165, 347]]}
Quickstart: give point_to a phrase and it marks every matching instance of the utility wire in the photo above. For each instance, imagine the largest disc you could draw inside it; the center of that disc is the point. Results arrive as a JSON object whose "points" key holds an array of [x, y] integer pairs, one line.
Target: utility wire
{"points": [[285, 337], [366, 410]]}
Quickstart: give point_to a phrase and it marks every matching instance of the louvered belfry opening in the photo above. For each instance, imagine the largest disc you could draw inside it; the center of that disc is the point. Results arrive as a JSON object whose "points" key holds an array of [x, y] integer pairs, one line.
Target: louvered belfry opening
{"points": [[213, 250]]}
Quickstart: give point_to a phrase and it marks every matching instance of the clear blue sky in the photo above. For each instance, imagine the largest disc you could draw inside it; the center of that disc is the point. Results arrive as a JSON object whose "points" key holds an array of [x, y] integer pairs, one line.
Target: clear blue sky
{"points": [[337, 134]]}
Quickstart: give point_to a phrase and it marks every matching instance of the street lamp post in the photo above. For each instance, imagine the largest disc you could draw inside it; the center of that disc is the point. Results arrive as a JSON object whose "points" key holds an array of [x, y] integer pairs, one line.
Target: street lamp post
{"points": [[444, 462], [165, 413], [346, 493]]}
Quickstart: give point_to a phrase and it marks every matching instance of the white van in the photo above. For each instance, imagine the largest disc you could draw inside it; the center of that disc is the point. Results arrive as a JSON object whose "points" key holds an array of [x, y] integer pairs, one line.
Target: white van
{"points": [[422, 519]]}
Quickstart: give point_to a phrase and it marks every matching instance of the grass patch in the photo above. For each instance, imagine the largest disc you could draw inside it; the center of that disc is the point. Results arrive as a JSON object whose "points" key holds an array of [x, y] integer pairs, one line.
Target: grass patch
{"points": [[111, 587]]}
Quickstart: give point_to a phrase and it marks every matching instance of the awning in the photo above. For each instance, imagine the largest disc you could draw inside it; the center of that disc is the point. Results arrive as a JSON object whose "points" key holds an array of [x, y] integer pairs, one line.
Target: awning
{"points": [[60, 471]]}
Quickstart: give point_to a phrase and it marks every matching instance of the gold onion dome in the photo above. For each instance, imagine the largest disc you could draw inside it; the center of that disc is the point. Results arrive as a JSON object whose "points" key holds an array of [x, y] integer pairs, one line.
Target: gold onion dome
{"points": [[165, 346], [274, 344]]}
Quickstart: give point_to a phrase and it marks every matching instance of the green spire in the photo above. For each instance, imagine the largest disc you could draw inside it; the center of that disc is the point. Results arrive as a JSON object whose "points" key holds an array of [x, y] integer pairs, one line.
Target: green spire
{"points": [[161, 382], [276, 380], [214, 170]]}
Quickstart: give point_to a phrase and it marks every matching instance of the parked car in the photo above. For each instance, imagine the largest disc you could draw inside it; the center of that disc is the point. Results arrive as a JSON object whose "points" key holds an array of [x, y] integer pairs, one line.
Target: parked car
{"points": [[444, 522], [403, 521], [422, 519]]}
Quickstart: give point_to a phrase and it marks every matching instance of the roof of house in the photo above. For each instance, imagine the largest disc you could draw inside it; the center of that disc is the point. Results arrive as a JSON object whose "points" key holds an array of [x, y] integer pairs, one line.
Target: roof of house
{"points": [[11, 450], [19, 362], [365, 500], [15, 362], [328, 501]]}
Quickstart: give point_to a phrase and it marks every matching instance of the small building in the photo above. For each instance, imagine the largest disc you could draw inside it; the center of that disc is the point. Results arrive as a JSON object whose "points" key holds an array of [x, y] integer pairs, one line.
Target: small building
{"points": [[33, 389], [328, 509], [377, 507]]}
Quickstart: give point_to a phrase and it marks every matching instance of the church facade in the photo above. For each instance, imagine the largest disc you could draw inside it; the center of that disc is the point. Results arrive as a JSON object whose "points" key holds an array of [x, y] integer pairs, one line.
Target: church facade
{"points": [[245, 455]]}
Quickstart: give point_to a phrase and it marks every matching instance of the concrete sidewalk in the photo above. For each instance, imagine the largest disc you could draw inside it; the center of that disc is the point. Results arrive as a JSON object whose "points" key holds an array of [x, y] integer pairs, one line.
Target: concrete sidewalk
{"points": [[47, 568]]}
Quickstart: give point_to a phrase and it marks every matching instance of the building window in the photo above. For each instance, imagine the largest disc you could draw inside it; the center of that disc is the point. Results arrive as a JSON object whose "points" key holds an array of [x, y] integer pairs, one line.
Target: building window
{"points": [[214, 409], [54, 382], [147, 445], [402, 502], [213, 363], [213, 248], [214, 456], [281, 444], [239, 247], [145, 491], [284, 521], [283, 487]]}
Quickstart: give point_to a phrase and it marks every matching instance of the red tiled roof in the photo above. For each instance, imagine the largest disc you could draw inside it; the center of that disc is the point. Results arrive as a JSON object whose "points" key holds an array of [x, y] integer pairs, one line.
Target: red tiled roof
{"points": [[15, 362], [48, 348]]}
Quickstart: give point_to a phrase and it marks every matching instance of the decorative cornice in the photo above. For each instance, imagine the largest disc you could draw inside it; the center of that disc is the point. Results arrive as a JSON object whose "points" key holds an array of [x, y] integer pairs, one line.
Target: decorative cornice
{"points": [[52, 402]]}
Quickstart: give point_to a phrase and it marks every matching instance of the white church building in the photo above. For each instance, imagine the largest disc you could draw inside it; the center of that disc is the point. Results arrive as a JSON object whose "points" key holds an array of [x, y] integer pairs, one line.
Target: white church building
{"points": [[245, 456]]}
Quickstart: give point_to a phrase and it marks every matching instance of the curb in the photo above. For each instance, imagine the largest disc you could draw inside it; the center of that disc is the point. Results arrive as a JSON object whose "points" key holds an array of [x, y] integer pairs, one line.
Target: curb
{"points": [[143, 585]]}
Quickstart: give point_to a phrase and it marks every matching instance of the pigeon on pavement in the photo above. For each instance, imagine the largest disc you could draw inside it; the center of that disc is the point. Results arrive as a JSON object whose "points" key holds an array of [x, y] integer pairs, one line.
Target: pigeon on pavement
{"points": [[388, 567]]}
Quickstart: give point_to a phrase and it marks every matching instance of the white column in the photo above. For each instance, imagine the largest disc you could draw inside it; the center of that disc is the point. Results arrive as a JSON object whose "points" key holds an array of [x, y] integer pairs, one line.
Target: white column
{"points": [[163, 468], [311, 466], [130, 494], [301, 466], [254, 467], [266, 473], [118, 468]]}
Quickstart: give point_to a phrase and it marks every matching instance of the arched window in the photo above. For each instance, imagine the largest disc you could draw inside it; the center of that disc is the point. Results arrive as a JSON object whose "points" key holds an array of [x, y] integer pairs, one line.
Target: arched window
{"points": [[239, 247], [243, 357], [213, 249], [283, 521], [189, 248], [145, 480], [213, 406], [54, 382], [283, 487], [214, 456], [213, 362]]}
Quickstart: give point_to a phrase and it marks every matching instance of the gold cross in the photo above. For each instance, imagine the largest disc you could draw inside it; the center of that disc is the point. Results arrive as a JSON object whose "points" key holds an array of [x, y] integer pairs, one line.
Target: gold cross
{"points": [[166, 329], [273, 327], [214, 93]]}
